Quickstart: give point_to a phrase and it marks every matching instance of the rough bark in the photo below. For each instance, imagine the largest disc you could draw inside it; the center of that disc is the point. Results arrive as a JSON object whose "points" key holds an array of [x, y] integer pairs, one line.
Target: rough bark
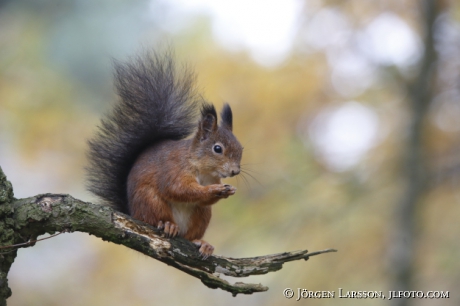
{"points": [[22, 220], [7, 235]]}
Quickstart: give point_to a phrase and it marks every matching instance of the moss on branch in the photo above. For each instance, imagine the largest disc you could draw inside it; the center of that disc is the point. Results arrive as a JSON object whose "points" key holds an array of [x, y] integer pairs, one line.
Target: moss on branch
{"points": [[50, 213]]}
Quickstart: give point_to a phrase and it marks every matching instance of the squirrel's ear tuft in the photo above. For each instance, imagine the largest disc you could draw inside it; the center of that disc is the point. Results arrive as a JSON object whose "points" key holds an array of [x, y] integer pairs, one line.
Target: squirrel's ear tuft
{"points": [[208, 109], [227, 117], [208, 122]]}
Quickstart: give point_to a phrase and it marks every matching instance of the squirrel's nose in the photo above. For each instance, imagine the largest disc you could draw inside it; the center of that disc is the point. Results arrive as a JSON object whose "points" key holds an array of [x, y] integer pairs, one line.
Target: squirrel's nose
{"points": [[235, 172]]}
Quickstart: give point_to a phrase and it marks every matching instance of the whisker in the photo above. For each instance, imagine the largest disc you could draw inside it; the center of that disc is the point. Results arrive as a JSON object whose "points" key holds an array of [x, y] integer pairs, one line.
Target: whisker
{"points": [[253, 171], [245, 172], [245, 180], [246, 183], [250, 164]]}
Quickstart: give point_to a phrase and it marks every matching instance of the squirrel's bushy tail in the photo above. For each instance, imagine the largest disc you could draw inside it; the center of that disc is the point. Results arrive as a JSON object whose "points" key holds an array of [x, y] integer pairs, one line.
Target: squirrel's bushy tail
{"points": [[155, 104]]}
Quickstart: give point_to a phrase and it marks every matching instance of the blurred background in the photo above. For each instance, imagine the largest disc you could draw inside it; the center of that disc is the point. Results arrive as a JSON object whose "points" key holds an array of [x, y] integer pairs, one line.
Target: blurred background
{"points": [[349, 112]]}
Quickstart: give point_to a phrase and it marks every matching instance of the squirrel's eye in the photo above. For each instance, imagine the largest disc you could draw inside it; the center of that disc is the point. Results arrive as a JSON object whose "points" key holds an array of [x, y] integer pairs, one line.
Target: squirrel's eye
{"points": [[217, 149]]}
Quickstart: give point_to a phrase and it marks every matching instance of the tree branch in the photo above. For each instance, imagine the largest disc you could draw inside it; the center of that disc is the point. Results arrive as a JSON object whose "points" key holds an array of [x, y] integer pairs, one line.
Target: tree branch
{"points": [[50, 213]]}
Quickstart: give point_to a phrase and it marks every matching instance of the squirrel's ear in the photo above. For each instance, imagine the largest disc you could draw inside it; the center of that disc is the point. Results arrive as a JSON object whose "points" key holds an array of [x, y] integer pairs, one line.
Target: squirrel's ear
{"points": [[208, 123], [227, 117]]}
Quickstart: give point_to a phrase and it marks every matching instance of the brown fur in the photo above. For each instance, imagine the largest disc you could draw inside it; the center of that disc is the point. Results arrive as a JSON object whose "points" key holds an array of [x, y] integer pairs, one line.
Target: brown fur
{"points": [[167, 175], [174, 183]]}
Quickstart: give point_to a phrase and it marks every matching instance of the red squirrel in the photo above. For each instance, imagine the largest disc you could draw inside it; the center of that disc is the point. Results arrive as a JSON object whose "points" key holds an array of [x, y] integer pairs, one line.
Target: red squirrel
{"points": [[153, 159]]}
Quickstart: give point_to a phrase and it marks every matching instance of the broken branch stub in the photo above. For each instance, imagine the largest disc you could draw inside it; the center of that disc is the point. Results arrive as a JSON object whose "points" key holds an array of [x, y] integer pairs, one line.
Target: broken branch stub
{"points": [[51, 213]]}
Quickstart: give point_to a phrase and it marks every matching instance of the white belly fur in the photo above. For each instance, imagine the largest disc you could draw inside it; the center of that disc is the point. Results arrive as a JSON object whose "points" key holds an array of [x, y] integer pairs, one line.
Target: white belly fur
{"points": [[182, 213], [208, 179]]}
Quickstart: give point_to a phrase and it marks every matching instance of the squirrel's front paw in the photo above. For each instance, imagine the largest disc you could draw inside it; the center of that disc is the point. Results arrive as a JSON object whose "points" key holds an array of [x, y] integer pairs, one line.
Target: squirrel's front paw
{"points": [[223, 191], [170, 229]]}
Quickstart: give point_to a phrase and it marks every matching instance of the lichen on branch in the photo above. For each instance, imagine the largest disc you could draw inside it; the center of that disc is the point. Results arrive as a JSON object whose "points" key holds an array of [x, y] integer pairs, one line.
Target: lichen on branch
{"points": [[50, 213]]}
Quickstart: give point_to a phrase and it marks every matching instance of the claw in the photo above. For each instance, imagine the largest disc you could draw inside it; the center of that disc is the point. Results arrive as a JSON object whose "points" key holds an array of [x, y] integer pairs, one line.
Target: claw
{"points": [[166, 230], [205, 250], [169, 229]]}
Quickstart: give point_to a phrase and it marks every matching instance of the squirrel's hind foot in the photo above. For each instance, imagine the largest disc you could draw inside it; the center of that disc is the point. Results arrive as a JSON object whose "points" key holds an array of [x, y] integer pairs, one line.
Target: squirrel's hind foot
{"points": [[205, 248]]}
